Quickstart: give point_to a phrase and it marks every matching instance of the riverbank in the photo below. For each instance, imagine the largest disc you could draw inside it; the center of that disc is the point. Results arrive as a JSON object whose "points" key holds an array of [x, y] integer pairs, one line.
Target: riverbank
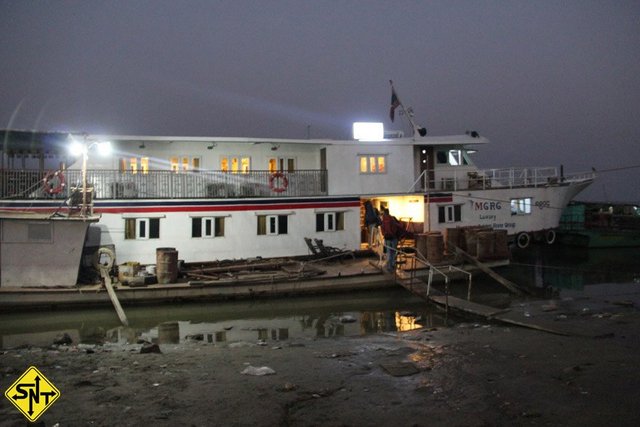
{"points": [[472, 374]]}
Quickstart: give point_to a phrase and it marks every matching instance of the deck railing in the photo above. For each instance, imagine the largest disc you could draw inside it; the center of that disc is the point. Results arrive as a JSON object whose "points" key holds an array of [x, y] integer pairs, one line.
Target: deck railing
{"points": [[494, 178], [113, 184]]}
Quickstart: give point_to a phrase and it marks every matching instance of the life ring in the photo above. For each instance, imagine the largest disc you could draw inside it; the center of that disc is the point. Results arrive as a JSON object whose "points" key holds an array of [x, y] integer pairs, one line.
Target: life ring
{"points": [[523, 240], [284, 182], [53, 182], [550, 237], [97, 259]]}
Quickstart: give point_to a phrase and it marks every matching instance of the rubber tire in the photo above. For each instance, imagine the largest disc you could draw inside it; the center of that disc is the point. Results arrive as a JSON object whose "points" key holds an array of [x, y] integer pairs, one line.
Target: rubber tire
{"points": [[523, 240], [550, 237], [98, 255]]}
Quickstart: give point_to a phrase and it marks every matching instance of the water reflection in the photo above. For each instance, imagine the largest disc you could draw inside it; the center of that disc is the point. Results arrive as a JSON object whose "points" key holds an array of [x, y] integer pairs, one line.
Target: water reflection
{"points": [[267, 321], [570, 268]]}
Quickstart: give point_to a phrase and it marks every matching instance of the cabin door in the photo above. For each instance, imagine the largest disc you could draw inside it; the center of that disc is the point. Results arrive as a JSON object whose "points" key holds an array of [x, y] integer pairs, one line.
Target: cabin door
{"points": [[323, 169], [426, 165]]}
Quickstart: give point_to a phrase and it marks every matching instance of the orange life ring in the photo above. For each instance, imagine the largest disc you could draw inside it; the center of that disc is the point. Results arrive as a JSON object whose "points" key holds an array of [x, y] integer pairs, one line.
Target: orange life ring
{"points": [[284, 182], [53, 182]]}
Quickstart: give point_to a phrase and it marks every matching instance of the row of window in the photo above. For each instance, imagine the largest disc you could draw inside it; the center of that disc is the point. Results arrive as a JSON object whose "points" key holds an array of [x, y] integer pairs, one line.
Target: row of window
{"points": [[209, 227], [369, 164], [236, 164], [453, 213], [206, 227]]}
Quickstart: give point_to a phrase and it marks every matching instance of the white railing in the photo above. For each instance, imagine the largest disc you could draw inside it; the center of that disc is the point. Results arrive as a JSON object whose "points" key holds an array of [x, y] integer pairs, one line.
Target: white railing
{"points": [[454, 180], [113, 184]]}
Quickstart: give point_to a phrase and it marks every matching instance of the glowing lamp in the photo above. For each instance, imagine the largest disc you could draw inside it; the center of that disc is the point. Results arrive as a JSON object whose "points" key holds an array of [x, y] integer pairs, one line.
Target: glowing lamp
{"points": [[368, 131]]}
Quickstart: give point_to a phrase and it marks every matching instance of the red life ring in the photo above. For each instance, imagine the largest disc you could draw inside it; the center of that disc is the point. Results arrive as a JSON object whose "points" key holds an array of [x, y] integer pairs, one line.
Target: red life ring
{"points": [[284, 182], [53, 182]]}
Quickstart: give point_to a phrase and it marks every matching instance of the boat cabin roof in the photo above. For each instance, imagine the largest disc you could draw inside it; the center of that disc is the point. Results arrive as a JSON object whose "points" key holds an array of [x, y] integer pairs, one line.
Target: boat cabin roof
{"points": [[418, 141]]}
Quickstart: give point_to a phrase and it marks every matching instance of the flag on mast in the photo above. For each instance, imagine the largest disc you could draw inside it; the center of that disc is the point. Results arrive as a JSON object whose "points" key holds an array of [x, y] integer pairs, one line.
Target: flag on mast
{"points": [[395, 103]]}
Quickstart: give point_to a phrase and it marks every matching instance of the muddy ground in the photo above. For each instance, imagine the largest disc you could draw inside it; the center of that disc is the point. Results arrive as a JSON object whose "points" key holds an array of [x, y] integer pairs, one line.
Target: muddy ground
{"points": [[472, 374]]}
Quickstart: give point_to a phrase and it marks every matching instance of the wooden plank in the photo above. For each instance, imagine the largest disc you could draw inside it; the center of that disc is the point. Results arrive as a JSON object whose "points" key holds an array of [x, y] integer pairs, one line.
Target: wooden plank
{"points": [[114, 298], [469, 307], [503, 281], [466, 306]]}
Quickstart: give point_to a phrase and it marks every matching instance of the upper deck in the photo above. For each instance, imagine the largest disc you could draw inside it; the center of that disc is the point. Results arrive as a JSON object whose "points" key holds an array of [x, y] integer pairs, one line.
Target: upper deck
{"points": [[148, 167]]}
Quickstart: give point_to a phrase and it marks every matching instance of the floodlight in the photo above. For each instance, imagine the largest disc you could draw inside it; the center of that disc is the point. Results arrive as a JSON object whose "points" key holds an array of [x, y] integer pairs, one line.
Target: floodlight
{"points": [[368, 131]]}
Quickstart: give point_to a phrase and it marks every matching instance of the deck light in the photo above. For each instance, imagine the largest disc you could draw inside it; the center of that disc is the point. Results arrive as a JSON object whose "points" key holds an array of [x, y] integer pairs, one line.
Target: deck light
{"points": [[77, 148], [368, 131]]}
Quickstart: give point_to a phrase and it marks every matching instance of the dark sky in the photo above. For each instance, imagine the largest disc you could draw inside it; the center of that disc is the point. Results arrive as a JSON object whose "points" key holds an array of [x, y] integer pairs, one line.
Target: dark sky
{"points": [[548, 82]]}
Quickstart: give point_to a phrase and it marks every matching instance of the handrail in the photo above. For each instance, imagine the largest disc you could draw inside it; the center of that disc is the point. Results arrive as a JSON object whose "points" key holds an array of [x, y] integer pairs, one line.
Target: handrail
{"points": [[452, 179], [416, 255], [166, 184]]}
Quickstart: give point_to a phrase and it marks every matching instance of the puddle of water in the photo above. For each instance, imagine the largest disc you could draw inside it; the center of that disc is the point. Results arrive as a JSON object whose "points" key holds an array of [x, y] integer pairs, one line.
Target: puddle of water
{"points": [[572, 272], [266, 321]]}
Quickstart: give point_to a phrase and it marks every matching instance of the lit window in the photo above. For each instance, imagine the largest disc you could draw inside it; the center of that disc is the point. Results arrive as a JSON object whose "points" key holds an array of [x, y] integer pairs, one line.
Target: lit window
{"points": [[272, 224], [235, 164], [373, 164], [195, 163], [521, 206], [144, 165], [174, 164], [207, 227], [245, 164], [455, 157], [363, 164], [133, 165], [142, 228], [330, 221], [272, 165]]}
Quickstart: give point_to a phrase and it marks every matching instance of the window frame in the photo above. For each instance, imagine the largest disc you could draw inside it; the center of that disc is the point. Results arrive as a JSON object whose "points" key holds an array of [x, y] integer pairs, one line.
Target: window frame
{"points": [[272, 224], [242, 163], [373, 164], [521, 206], [449, 213], [329, 221], [142, 228]]}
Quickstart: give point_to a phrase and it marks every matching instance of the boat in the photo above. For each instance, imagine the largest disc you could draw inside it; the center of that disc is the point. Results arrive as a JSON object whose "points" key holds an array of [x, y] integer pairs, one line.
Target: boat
{"points": [[215, 198], [600, 225], [41, 250]]}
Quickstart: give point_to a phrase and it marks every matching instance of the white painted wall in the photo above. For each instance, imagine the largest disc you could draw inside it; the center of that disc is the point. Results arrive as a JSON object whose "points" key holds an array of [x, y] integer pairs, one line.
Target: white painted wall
{"points": [[240, 241], [344, 169]]}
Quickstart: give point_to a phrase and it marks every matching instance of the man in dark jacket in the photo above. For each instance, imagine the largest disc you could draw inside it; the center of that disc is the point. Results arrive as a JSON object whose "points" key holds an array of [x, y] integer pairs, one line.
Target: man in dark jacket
{"points": [[391, 231], [372, 219]]}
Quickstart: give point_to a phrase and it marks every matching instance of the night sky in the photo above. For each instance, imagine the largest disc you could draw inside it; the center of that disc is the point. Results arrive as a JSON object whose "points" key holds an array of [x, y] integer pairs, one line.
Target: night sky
{"points": [[548, 82]]}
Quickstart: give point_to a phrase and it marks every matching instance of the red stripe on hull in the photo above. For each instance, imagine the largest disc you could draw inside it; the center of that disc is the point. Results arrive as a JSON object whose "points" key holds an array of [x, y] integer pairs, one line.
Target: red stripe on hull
{"points": [[223, 208]]}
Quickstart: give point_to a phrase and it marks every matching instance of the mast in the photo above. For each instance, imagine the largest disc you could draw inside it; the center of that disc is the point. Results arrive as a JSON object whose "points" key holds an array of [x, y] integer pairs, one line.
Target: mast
{"points": [[407, 112]]}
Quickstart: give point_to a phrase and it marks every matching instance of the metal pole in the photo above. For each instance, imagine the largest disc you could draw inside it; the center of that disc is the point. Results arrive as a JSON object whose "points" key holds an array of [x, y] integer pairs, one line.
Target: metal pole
{"points": [[83, 209]]}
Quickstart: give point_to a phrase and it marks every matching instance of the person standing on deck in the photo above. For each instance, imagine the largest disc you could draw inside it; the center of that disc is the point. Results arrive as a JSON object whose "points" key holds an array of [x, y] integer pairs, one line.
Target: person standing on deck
{"points": [[390, 231], [372, 220]]}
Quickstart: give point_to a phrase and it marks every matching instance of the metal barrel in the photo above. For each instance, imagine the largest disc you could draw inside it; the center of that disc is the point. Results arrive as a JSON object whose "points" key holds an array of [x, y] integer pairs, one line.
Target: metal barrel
{"points": [[166, 265]]}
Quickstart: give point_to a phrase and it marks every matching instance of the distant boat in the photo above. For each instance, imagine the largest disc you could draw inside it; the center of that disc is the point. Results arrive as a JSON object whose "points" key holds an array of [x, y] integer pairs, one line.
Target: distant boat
{"points": [[600, 225]]}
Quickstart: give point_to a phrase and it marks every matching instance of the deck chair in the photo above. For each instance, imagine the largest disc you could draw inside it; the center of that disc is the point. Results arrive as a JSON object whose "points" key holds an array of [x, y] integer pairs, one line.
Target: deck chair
{"points": [[331, 252], [315, 251]]}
